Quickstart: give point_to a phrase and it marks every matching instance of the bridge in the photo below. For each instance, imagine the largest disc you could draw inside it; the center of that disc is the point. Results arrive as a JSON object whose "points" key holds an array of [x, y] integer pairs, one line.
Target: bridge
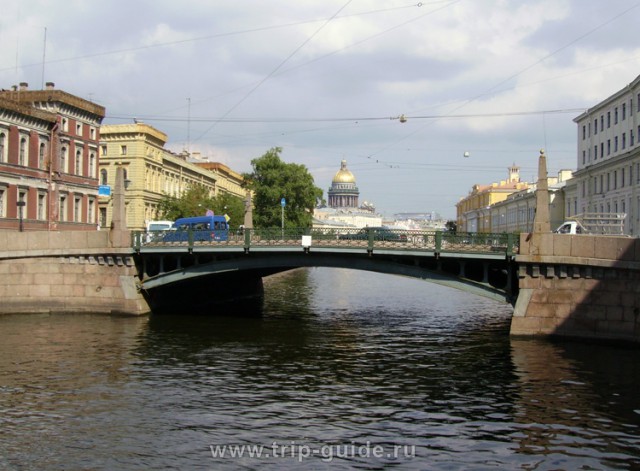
{"points": [[482, 264]]}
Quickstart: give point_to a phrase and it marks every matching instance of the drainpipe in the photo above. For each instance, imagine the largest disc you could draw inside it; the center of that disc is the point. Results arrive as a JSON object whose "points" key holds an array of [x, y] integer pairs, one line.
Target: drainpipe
{"points": [[52, 148]]}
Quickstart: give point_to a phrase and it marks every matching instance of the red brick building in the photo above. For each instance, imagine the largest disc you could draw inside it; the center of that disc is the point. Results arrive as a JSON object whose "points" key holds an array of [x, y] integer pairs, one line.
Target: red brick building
{"points": [[48, 160]]}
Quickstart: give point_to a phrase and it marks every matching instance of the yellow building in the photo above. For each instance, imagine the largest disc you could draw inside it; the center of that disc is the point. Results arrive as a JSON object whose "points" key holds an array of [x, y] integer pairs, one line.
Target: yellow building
{"points": [[474, 211], [151, 172]]}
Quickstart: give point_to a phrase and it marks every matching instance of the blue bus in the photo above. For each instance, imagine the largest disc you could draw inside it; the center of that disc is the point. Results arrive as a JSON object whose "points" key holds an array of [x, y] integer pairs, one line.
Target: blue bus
{"points": [[204, 228]]}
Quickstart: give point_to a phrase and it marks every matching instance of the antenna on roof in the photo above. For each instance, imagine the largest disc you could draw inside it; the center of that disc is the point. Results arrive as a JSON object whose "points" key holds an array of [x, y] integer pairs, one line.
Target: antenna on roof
{"points": [[44, 55]]}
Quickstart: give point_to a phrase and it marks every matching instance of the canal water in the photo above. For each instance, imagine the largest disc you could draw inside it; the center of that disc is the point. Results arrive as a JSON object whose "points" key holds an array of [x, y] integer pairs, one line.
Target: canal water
{"points": [[342, 370]]}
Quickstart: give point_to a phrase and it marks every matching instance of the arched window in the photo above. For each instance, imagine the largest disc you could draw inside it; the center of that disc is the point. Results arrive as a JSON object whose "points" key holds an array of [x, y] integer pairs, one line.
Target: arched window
{"points": [[103, 177], [22, 158], [78, 162], [3, 147], [92, 165], [63, 159]]}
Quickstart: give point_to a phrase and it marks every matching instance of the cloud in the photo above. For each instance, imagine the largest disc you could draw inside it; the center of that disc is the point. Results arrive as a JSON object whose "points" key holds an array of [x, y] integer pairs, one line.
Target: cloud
{"points": [[233, 79]]}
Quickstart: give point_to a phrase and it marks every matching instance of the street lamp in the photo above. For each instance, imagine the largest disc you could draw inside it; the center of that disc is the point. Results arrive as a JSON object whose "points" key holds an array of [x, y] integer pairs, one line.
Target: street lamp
{"points": [[283, 203], [20, 205]]}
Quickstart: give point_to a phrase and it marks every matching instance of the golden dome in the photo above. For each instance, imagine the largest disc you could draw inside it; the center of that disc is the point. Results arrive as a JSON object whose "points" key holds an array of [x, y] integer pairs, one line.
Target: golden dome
{"points": [[343, 175]]}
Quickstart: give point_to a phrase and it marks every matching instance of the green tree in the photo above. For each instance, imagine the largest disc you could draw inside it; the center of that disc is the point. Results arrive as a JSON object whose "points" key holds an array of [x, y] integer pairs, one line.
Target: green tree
{"points": [[271, 180]]}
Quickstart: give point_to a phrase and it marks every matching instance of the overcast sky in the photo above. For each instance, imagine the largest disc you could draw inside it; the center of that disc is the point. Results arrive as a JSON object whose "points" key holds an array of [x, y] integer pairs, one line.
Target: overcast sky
{"points": [[327, 80]]}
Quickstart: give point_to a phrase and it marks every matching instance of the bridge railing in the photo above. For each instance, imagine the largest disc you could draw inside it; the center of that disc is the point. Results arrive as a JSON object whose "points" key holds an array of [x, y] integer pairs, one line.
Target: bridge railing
{"points": [[367, 239]]}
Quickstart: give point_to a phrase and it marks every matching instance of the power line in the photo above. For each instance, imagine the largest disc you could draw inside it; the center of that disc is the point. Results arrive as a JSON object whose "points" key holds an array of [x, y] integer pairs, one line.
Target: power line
{"points": [[349, 119]]}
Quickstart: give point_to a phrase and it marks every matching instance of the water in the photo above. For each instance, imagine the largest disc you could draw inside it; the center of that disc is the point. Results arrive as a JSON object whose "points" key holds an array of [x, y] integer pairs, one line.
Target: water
{"points": [[344, 370]]}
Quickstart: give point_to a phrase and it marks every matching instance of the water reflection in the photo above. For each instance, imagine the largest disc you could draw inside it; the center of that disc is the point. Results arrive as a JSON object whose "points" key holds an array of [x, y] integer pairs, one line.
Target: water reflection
{"points": [[335, 358]]}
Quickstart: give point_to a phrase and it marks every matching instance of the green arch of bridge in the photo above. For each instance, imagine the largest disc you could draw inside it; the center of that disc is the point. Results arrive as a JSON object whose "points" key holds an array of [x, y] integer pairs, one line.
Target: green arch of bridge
{"points": [[282, 262]]}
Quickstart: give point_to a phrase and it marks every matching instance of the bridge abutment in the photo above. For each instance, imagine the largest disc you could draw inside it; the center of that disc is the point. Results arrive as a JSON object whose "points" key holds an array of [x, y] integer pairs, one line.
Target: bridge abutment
{"points": [[80, 271], [578, 286]]}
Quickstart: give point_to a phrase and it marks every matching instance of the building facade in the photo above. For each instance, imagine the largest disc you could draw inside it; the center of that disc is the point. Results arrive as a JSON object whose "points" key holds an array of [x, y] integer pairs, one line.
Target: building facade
{"points": [[151, 172], [474, 211], [48, 160], [607, 179], [517, 212]]}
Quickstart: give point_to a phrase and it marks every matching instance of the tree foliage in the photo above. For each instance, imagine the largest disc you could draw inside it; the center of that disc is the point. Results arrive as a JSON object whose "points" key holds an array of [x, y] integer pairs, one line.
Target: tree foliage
{"points": [[271, 180], [196, 201]]}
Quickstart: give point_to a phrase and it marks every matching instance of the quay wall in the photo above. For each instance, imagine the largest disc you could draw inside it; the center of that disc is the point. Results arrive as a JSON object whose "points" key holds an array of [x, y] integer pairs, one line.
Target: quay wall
{"points": [[69, 271], [578, 286]]}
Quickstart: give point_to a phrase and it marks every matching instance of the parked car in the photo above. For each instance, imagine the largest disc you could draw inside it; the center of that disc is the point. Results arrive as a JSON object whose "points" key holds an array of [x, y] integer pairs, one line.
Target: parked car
{"points": [[379, 233]]}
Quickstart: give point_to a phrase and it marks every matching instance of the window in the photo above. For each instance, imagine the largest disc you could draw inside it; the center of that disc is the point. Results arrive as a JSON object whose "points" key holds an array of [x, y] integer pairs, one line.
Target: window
{"points": [[78, 129], [608, 119], [622, 178], [104, 150], [92, 134], [92, 165], [63, 159], [42, 206], [103, 177], [584, 156], [2, 202], [631, 136], [615, 115], [601, 122], [608, 146], [624, 140], [601, 186], [22, 158], [63, 208], [615, 179], [103, 217], [595, 152], [3, 147], [78, 162], [41, 155], [624, 111], [615, 144], [602, 150], [123, 150], [584, 132], [77, 209], [65, 125], [595, 126], [92, 211]]}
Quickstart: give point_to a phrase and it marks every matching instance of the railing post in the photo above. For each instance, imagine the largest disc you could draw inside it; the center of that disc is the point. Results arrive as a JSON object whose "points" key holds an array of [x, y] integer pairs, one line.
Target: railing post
{"points": [[190, 238], [247, 239], [370, 241], [438, 241]]}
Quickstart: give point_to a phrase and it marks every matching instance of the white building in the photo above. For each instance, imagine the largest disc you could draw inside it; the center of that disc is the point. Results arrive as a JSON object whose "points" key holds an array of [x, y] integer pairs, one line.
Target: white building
{"points": [[607, 179]]}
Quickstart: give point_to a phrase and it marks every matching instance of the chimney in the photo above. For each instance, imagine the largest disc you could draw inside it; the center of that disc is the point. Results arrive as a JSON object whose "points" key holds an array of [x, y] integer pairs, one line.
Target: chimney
{"points": [[24, 86], [50, 85]]}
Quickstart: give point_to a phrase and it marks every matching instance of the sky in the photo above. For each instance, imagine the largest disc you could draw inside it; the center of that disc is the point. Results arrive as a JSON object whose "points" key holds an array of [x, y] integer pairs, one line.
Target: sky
{"points": [[422, 99]]}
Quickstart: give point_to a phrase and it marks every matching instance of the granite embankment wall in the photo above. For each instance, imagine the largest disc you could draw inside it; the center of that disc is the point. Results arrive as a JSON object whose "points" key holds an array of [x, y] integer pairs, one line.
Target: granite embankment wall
{"points": [[578, 286], [75, 271]]}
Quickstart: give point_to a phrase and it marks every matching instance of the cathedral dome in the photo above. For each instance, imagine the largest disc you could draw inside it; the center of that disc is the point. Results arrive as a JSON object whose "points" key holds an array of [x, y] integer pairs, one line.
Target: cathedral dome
{"points": [[343, 175]]}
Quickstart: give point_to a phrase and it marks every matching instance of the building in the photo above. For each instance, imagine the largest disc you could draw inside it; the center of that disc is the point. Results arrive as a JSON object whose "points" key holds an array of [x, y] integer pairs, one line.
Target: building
{"points": [[607, 179], [228, 181], [343, 211], [517, 212], [474, 211], [48, 159], [343, 192], [151, 172]]}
